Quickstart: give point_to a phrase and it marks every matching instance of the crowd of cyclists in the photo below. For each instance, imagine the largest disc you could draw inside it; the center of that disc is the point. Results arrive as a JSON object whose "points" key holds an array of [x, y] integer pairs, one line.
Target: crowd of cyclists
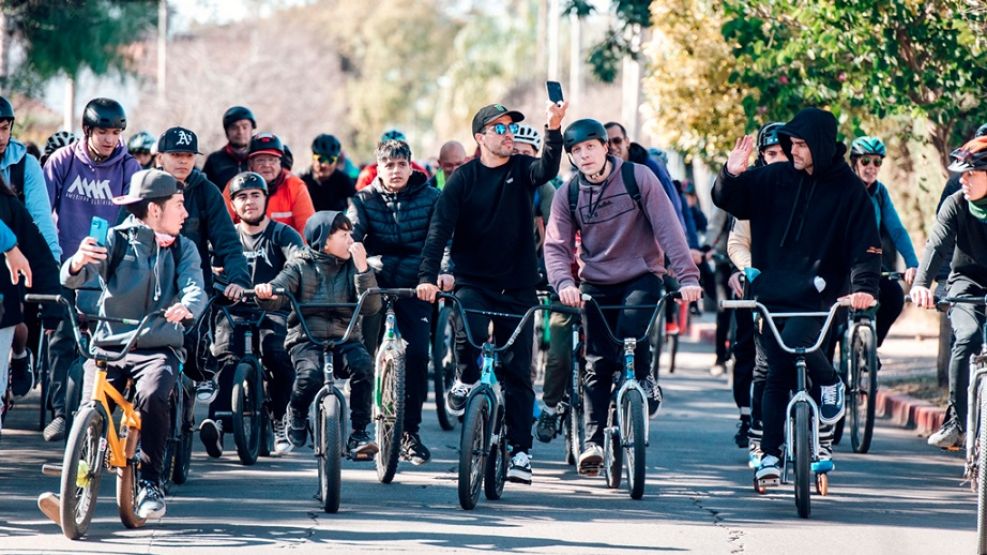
{"points": [[798, 224]]}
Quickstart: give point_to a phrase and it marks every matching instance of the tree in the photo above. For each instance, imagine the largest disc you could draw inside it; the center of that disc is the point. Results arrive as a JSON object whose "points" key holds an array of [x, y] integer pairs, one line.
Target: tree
{"points": [[631, 17]]}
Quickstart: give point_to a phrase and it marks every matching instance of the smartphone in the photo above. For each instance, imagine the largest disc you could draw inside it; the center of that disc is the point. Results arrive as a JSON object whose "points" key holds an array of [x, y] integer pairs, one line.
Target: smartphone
{"points": [[554, 91], [98, 230]]}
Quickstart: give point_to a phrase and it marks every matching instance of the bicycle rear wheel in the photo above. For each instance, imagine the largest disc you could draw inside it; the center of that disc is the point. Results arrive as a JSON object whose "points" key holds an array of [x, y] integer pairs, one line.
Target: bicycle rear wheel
{"points": [[803, 459], [127, 481], [495, 469], [982, 471], [330, 460], [389, 411], [633, 440], [444, 364], [613, 455], [82, 469], [42, 377], [863, 388], [655, 342], [472, 454], [183, 451], [248, 412]]}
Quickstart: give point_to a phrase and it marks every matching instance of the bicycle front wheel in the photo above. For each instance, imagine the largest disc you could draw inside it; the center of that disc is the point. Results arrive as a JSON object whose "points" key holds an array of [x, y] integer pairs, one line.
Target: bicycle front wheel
{"points": [[472, 455], [248, 409], [183, 451], [982, 471], [803, 459], [389, 412], [330, 461], [82, 469], [495, 470], [127, 481], [632, 410], [613, 455], [863, 388]]}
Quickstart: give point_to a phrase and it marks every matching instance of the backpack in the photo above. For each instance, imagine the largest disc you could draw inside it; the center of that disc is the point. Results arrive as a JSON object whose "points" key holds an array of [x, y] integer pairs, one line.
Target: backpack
{"points": [[630, 185], [17, 178], [120, 250]]}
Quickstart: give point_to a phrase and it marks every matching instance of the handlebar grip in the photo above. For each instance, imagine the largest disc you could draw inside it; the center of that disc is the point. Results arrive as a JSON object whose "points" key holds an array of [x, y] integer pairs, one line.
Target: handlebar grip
{"points": [[36, 298], [726, 305], [280, 291]]}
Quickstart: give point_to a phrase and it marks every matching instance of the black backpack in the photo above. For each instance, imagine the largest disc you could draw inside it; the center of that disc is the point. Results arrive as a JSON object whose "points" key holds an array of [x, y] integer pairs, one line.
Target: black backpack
{"points": [[120, 250], [630, 185], [17, 178]]}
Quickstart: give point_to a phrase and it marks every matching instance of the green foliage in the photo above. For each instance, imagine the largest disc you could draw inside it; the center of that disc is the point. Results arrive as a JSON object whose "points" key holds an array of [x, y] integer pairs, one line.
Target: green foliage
{"points": [[63, 38], [630, 17]]}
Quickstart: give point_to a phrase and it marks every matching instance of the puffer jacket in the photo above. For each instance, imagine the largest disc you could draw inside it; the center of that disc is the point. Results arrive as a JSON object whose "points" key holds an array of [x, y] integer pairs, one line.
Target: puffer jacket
{"points": [[209, 226], [393, 228], [315, 277]]}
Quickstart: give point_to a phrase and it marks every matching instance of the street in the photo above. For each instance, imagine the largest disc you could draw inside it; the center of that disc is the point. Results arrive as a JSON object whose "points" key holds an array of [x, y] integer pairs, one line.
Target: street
{"points": [[902, 497]]}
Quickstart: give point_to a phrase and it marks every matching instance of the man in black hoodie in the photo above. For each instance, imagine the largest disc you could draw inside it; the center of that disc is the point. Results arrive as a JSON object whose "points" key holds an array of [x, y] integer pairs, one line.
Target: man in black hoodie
{"points": [[486, 208], [812, 225]]}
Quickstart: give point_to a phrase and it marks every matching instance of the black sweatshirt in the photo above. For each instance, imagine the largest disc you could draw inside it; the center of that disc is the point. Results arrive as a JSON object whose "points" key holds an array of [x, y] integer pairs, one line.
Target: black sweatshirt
{"points": [[955, 227], [488, 214], [806, 226]]}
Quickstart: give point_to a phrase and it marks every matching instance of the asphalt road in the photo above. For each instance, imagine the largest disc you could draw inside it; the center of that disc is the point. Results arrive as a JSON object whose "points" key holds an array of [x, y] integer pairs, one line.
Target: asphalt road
{"points": [[903, 497]]}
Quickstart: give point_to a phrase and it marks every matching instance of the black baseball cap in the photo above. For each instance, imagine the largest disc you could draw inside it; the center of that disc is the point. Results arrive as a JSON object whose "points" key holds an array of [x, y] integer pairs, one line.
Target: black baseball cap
{"points": [[492, 112], [150, 184], [178, 139]]}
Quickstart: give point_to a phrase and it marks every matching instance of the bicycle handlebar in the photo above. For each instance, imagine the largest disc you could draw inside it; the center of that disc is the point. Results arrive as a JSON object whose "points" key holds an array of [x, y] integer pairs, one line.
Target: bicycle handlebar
{"points": [[651, 323], [517, 330], [298, 308], [770, 317]]}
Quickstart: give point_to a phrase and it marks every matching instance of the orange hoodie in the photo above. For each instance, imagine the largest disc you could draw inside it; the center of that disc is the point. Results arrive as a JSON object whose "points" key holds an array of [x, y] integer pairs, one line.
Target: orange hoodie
{"points": [[290, 204]]}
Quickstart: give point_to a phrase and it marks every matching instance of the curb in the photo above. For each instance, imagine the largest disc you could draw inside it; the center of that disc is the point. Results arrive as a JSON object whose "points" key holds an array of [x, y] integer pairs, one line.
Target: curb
{"points": [[909, 412]]}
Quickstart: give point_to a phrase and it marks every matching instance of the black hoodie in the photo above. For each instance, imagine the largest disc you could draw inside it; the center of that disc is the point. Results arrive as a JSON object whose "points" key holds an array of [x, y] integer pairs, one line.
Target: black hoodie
{"points": [[806, 226]]}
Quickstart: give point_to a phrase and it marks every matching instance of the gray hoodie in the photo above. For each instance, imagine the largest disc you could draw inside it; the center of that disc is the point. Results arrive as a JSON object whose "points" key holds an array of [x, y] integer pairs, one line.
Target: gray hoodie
{"points": [[144, 281]]}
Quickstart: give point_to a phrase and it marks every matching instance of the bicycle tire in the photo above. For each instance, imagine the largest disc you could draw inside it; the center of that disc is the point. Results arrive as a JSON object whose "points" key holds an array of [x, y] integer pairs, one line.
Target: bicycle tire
{"points": [[656, 343], [633, 442], [247, 407], [982, 471], [171, 447], [495, 469], [442, 371], [613, 455], [576, 431], [43, 378], [803, 460], [842, 366], [330, 462], [863, 389], [127, 481], [183, 453], [472, 454], [389, 412], [78, 502], [74, 385]]}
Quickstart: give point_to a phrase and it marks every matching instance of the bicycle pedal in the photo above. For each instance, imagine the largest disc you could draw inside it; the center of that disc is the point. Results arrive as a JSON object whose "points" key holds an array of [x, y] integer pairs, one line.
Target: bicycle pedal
{"points": [[822, 467], [50, 506], [590, 471], [53, 470], [769, 482]]}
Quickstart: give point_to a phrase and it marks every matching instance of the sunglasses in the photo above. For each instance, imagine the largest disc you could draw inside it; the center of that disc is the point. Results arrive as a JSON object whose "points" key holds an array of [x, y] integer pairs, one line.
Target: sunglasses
{"points": [[325, 159], [616, 141], [501, 129], [868, 161]]}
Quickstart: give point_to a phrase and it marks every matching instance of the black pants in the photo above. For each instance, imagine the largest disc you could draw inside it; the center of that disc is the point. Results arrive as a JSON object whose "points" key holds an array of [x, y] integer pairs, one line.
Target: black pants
{"points": [[154, 372], [514, 372], [278, 371], [967, 321], [604, 357], [892, 300], [349, 360], [414, 325], [781, 376], [723, 317], [744, 358], [62, 354]]}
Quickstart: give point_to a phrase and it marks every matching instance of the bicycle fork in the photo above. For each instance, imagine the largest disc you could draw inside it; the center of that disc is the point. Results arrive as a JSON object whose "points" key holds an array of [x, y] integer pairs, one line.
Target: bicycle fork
{"points": [[329, 388], [630, 382], [801, 396]]}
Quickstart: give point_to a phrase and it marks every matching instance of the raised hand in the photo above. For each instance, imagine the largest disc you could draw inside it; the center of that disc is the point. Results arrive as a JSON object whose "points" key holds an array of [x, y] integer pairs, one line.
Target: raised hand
{"points": [[740, 155]]}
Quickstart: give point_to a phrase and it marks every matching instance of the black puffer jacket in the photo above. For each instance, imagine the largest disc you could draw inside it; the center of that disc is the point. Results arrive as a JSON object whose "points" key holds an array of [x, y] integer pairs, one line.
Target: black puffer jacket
{"points": [[209, 226], [393, 228]]}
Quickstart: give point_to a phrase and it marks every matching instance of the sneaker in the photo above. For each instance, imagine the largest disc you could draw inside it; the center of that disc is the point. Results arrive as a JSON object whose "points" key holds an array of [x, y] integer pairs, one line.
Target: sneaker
{"points": [[456, 398], [754, 453], [211, 435], [281, 444], [769, 469], [150, 501], [21, 377], [361, 446], [548, 424], [590, 459], [671, 328], [297, 425], [413, 450], [949, 437], [825, 462], [519, 471], [206, 392], [51, 506], [832, 408], [655, 396], [742, 437], [55, 430]]}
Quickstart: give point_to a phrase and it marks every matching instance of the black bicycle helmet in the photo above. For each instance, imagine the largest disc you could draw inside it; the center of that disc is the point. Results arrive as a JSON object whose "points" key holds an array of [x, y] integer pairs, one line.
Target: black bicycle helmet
{"points": [[326, 145], [141, 143], [265, 143], [768, 135], [6, 109], [581, 131], [236, 113], [247, 180], [970, 157], [104, 113]]}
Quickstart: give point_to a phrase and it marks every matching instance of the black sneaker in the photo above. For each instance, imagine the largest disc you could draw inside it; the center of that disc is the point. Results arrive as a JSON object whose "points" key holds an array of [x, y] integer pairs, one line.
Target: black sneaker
{"points": [[150, 501], [654, 394], [55, 430], [361, 446], [548, 424], [832, 407], [413, 450], [456, 398], [21, 377], [519, 471], [742, 437], [211, 435], [297, 424]]}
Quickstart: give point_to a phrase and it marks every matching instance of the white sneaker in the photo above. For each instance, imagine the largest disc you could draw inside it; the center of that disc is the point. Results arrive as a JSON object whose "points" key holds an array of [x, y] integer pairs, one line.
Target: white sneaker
{"points": [[519, 470], [456, 398]]}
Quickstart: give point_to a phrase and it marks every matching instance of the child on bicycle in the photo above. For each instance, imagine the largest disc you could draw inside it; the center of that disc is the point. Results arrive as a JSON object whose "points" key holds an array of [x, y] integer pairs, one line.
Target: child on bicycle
{"points": [[960, 223], [331, 269], [624, 243], [146, 265]]}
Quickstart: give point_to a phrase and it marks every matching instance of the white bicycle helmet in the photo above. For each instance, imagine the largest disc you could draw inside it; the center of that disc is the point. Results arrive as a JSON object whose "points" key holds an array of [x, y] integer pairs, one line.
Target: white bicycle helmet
{"points": [[528, 135]]}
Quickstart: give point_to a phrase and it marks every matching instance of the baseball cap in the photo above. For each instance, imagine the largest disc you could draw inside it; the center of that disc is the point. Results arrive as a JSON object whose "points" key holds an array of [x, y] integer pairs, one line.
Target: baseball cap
{"points": [[150, 184], [491, 112], [178, 139]]}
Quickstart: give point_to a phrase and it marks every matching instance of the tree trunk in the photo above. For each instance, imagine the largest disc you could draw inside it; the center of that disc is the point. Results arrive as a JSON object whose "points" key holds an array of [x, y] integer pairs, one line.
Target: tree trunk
{"points": [[68, 116]]}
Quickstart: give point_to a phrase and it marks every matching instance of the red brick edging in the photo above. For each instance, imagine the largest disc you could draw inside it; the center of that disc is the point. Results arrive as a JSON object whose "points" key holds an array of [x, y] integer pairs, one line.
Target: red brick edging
{"points": [[909, 412]]}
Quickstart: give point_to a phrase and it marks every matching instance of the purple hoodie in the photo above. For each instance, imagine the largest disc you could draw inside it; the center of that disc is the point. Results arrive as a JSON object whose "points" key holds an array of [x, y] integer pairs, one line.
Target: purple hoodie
{"points": [[618, 242], [79, 189]]}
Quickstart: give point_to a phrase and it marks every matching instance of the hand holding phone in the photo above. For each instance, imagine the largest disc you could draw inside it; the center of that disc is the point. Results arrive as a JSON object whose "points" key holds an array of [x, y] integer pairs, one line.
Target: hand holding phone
{"points": [[98, 230]]}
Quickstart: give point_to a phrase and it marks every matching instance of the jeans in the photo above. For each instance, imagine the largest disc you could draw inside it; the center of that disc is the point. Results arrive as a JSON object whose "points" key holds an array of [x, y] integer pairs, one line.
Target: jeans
{"points": [[967, 321], [351, 360]]}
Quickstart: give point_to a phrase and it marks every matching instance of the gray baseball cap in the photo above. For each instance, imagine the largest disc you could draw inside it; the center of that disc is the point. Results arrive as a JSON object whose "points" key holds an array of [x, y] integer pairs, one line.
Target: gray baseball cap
{"points": [[150, 184]]}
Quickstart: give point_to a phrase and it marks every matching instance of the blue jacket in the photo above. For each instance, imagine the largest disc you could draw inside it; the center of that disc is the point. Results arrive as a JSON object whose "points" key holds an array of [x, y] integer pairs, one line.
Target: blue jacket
{"points": [[887, 217], [684, 216], [35, 192]]}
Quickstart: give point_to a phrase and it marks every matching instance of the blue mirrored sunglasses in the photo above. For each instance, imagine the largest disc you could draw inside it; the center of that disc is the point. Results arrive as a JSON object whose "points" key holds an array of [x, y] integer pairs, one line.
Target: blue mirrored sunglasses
{"points": [[501, 129]]}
